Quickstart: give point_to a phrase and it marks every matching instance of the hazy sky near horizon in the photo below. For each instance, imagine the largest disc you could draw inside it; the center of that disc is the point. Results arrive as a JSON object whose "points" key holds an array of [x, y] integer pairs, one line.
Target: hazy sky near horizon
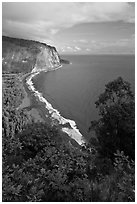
{"points": [[73, 27]]}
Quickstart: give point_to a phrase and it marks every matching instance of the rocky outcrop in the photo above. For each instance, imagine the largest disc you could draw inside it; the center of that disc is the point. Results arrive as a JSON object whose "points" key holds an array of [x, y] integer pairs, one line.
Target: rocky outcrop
{"points": [[19, 55]]}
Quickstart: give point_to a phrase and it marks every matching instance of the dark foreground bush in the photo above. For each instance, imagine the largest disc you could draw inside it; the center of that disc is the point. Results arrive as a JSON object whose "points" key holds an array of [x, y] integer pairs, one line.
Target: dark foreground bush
{"points": [[39, 167]]}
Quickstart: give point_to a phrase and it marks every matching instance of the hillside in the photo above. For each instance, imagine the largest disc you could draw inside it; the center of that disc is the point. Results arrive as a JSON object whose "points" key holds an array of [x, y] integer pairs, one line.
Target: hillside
{"points": [[19, 55]]}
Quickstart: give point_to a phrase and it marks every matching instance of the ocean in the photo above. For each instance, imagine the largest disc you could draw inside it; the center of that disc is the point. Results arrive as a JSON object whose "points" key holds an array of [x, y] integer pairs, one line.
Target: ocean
{"points": [[74, 88]]}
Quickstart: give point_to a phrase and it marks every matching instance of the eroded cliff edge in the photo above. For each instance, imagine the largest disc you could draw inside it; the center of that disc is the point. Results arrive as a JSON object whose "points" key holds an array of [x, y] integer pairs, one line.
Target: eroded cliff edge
{"points": [[19, 55]]}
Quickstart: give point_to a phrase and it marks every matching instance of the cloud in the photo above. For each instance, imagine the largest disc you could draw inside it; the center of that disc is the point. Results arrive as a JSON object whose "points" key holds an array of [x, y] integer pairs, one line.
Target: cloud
{"points": [[44, 20], [80, 41], [70, 49], [88, 49], [124, 42], [123, 45], [77, 48], [115, 46]]}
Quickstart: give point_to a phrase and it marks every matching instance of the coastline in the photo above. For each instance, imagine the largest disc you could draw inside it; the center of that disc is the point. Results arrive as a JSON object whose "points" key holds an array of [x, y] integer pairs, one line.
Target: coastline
{"points": [[46, 113], [29, 103]]}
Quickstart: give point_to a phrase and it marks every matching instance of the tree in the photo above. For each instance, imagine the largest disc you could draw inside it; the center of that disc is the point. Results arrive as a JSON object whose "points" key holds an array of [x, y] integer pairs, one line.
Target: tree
{"points": [[41, 167], [115, 130], [41, 164]]}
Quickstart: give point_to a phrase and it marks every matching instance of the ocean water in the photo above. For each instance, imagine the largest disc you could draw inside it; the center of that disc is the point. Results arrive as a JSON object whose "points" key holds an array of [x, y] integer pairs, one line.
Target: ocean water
{"points": [[75, 87]]}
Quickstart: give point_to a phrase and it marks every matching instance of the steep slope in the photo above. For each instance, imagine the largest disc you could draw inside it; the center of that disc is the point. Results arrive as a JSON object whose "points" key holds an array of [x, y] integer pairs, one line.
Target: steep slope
{"points": [[19, 55]]}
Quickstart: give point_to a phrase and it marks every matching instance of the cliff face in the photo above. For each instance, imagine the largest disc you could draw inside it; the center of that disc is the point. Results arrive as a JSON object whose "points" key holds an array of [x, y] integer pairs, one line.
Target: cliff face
{"points": [[47, 58], [20, 55]]}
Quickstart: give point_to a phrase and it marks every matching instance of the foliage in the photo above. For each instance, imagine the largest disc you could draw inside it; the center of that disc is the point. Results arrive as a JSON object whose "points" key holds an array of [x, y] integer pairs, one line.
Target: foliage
{"points": [[119, 185], [40, 166], [115, 130], [12, 93], [20, 55], [45, 168]]}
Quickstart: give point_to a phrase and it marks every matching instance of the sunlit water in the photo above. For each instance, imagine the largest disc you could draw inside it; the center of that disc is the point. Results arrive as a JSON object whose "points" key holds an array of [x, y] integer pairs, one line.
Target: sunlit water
{"points": [[74, 88]]}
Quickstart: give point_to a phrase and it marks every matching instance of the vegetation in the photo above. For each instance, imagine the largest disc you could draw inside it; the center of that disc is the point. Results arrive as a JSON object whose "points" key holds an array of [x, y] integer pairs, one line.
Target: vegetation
{"points": [[20, 55], [39, 166], [115, 130]]}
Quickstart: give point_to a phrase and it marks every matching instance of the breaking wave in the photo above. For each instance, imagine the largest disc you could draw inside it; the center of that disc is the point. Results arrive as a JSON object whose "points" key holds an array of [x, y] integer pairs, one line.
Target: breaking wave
{"points": [[72, 131]]}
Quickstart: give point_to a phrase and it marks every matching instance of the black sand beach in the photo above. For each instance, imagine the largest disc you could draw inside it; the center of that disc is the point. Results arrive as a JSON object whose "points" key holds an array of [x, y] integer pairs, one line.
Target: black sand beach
{"points": [[39, 113]]}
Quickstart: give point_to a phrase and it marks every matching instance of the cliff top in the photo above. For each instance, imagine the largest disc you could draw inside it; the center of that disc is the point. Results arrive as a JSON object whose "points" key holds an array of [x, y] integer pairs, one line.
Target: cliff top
{"points": [[21, 55], [23, 42]]}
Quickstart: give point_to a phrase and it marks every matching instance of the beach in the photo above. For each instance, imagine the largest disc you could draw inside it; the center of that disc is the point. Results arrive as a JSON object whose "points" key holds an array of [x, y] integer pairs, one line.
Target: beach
{"points": [[42, 111]]}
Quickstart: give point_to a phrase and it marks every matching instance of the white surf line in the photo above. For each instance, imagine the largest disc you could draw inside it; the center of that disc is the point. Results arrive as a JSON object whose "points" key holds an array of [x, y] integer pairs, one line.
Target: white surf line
{"points": [[73, 131]]}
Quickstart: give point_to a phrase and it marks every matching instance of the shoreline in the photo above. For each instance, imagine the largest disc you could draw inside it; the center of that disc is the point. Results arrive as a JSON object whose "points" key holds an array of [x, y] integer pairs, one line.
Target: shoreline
{"points": [[50, 115]]}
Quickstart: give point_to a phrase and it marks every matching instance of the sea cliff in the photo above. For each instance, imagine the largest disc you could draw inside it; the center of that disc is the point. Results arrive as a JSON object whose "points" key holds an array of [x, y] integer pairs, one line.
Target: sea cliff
{"points": [[19, 55]]}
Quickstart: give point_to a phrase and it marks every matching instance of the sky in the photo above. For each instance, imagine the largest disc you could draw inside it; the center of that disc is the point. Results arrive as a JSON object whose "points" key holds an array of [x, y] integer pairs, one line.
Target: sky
{"points": [[73, 27]]}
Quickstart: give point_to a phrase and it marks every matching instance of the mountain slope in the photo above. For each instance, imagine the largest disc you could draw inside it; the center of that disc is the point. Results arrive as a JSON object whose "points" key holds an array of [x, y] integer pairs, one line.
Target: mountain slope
{"points": [[19, 55]]}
